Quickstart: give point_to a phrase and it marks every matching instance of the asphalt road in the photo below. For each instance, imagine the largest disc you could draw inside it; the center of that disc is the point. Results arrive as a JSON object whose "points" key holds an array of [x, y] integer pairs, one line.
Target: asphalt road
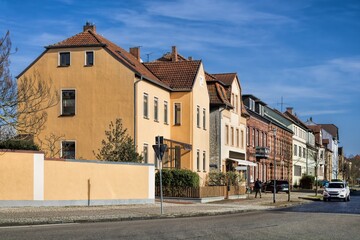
{"points": [[316, 220]]}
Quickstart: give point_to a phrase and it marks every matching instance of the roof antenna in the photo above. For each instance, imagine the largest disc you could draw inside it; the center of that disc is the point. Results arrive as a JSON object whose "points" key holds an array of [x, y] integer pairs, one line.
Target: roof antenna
{"points": [[281, 103], [148, 56]]}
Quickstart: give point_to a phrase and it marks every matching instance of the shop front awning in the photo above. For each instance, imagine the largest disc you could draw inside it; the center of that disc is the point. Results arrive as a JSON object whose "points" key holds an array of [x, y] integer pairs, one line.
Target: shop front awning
{"points": [[242, 162]]}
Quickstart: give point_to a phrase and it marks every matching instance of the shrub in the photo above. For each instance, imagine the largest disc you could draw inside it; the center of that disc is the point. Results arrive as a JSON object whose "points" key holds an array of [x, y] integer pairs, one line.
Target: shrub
{"points": [[233, 178], [17, 144], [215, 178], [307, 181]]}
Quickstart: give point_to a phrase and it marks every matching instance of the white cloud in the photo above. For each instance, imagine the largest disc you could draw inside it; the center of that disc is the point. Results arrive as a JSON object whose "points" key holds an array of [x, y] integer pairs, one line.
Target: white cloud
{"points": [[212, 10], [314, 112]]}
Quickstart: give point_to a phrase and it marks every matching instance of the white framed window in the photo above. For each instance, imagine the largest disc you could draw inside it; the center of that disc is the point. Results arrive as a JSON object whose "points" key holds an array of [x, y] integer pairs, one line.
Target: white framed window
{"points": [[204, 118], [156, 109], [297, 170], [248, 136], [236, 103], [242, 138], [226, 134], [198, 160], [68, 149], [64, 59], [237, 138], [68, 102], [146, 153], [253, 137], [198, 116], [177, 114], [204, 161], [146, 105], [89, 58], [232, 136], [304, 153], [166, 121]]}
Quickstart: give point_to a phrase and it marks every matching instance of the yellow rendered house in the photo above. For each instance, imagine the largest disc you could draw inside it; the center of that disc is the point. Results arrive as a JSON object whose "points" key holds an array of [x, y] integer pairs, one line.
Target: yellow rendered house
{"points": [[98, 81]]}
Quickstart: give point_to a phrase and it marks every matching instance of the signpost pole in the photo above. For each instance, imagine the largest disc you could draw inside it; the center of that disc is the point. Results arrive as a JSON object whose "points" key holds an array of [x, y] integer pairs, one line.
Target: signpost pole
{"points": [[274, 192], [161, 190], [160, 148]]}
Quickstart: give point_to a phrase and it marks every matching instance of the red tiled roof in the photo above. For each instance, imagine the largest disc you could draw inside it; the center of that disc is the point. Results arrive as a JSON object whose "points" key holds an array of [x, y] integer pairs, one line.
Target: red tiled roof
{"points": [[217, 94], [332, 129], [90, 38], [177, 75], [167, 57], [226, 78], [210, 78]]}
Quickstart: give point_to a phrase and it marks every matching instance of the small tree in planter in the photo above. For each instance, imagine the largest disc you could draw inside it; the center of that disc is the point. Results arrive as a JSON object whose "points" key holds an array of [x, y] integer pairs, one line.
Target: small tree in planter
{"points": [[307, 181]]}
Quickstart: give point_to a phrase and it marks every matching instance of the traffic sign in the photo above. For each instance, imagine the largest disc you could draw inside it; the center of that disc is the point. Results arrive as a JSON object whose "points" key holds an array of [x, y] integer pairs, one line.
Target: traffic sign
{"points": [[160, 150]]}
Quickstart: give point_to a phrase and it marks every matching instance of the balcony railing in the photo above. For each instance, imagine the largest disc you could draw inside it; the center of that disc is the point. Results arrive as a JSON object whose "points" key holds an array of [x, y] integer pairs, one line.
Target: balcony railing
{"points": [[262, 152]]}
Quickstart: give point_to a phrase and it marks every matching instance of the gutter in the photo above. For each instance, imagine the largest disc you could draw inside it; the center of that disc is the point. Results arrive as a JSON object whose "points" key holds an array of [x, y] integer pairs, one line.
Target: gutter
{"points": [[135, 110]]}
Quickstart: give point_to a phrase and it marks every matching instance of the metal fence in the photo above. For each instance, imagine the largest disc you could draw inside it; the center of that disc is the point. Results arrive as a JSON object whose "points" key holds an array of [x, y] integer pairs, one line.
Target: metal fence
{"points": [[201, 192]]}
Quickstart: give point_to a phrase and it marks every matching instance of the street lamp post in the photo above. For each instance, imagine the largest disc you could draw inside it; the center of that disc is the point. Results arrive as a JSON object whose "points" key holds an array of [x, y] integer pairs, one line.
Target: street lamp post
{"points": [[274, 192]]}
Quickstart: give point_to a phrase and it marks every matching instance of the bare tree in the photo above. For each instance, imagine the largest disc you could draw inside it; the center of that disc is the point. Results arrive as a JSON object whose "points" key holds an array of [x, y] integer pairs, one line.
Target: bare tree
{"points": [[51, 145], [23, 102]]}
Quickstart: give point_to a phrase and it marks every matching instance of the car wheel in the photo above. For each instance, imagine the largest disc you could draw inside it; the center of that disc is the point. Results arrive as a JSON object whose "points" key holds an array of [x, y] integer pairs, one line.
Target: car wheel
{"points": [[348, 198], [324, 199]]}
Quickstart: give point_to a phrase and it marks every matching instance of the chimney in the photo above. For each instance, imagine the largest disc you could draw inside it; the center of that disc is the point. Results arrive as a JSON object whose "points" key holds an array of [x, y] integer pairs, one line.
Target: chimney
{"points": [[89, 26], [174, 54], [289, 110], [135, 51], [190, 58]]}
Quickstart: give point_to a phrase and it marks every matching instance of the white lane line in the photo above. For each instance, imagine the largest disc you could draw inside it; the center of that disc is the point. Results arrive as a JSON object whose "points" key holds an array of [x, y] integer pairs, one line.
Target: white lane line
{"points": [[40, 225]]}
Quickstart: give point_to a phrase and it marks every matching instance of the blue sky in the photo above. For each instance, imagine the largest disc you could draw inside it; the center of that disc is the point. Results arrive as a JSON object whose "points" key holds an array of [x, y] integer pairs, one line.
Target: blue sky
{"points": [[307, 51]]}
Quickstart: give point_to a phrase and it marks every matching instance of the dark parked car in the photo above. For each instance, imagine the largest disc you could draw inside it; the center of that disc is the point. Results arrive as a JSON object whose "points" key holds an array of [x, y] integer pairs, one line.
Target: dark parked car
{"points": [[281, 186]]}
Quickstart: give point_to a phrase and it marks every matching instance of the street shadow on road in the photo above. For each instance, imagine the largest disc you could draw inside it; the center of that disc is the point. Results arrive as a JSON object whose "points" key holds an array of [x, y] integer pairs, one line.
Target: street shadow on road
{"points": [[334, 206]]}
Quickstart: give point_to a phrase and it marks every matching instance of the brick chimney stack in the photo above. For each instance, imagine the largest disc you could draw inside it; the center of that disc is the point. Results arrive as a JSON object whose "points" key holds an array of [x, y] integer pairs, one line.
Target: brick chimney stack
{"points": [[289, 110], [89, 26], [135, 51], [174, 54]]}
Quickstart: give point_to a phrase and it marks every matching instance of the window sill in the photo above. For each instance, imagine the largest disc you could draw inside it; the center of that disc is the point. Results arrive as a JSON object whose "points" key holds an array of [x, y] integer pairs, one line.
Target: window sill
{"points": [[67, 115], [63, 66], [147, 118], [88, 65], [157, 121]]}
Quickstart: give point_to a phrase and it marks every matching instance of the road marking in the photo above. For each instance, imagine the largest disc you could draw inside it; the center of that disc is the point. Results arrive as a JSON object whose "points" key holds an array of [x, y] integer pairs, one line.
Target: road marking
{"points": [[40, 225]]}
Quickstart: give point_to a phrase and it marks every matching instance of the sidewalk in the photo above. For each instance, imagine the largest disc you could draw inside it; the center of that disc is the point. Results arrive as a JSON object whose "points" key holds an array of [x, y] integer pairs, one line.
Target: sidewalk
{"points": [[52, 215]]}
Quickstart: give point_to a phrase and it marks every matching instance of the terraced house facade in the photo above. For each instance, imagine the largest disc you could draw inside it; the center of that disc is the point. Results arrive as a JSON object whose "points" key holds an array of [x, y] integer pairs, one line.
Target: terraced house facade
{"points": [[205, 120], [99, 81]]}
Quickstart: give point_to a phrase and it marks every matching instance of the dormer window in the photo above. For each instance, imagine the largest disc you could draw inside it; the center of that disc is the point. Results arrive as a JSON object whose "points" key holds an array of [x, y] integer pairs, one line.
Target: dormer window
{"points": [[64, 59], [89, 58], [251, 104], [261, 110]]}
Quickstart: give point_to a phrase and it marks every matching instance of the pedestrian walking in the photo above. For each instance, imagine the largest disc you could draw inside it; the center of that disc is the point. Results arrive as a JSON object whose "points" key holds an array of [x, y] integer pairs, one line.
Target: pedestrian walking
{"points": [[257, 188]]}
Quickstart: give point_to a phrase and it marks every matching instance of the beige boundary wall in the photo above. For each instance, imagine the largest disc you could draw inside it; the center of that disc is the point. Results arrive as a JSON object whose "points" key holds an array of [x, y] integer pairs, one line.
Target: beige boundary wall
{"points": [[27, 179]]}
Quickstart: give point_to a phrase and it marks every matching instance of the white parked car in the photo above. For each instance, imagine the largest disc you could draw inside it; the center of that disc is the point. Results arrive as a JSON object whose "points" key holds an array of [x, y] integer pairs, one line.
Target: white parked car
{"points": [[336, 190]]}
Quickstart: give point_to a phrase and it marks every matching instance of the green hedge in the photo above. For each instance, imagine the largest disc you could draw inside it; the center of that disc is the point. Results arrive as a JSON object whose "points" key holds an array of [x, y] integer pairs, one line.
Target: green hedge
{"points": [[177, 178], [15, 144]]}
